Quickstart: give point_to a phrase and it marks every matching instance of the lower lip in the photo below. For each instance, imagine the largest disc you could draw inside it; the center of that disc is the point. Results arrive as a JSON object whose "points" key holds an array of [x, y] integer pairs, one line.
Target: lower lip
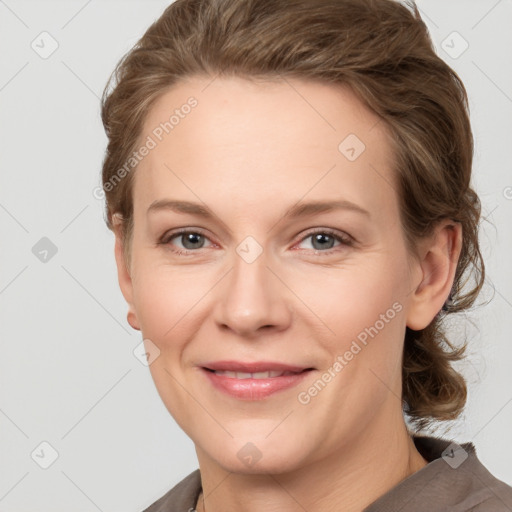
{"points": [[254, 389]]}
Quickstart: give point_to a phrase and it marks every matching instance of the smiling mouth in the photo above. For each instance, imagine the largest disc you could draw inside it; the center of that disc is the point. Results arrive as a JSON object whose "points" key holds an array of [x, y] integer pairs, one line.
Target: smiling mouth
{"points": [[253, 381], [255, 375]]}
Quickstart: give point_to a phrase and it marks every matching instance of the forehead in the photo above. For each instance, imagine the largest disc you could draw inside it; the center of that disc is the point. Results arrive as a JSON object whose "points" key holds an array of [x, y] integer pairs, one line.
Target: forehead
{"points": [[247, 142]]}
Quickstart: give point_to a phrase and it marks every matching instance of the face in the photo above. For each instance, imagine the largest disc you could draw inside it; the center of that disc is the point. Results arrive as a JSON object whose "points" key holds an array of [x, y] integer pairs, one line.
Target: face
{"points": [[232, 269]]}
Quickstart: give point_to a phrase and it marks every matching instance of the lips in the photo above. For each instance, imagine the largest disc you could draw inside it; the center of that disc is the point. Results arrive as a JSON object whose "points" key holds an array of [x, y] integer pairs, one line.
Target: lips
{"points": [[253, 375], [254, 367], [255, 380]]}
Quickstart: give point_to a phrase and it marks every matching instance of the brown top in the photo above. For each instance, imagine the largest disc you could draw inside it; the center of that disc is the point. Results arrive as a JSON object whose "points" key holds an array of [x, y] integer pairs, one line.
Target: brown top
{"points": [[453, 480]]}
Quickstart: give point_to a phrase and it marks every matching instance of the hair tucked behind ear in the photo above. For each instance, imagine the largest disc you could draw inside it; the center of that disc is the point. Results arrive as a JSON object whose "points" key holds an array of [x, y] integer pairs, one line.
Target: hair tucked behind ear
{"points": [[381, 49]]}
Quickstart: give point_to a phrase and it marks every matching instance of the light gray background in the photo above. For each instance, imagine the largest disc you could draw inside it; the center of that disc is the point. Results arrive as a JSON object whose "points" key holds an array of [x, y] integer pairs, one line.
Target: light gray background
{"points": [[68, 375]]}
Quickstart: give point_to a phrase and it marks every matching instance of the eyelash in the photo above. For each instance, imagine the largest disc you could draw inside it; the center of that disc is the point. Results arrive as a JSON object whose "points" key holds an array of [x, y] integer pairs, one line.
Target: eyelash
{"points": [[344, 239]]}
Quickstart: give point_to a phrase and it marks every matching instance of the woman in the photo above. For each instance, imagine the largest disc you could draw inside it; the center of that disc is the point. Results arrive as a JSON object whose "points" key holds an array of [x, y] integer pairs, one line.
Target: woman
{"points": [[289, 187]]}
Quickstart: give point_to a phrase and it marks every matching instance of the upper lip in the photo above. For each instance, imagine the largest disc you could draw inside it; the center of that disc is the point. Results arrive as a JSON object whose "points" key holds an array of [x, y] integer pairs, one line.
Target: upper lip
{"points": [[253, 367]]}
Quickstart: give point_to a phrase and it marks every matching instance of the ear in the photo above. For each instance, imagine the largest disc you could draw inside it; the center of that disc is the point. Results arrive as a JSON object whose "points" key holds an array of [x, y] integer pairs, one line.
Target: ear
{"points": [[123, 272], [439, 255]]}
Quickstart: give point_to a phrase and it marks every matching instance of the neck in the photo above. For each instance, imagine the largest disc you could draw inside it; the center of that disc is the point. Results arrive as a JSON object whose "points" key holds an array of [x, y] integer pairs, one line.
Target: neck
{"points": [[349, 480]]}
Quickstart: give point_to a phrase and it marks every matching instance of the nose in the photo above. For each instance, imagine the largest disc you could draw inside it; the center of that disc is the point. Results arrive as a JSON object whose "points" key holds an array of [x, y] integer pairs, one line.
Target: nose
{"points": [[252, 299]]}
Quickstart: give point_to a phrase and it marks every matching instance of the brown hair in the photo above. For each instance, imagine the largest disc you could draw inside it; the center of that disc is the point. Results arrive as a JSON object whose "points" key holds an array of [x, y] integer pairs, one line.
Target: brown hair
{"points": [[381, 49]]}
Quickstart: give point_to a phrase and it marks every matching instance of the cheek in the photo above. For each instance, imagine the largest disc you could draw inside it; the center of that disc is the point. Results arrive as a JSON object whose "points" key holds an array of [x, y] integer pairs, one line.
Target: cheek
{"points": [[348, 301], [165, 299], [167, 303]]}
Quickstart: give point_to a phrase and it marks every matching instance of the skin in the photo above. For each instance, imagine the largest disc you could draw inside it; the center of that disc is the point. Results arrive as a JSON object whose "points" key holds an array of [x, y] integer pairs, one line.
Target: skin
{"points": [[249, 151]]}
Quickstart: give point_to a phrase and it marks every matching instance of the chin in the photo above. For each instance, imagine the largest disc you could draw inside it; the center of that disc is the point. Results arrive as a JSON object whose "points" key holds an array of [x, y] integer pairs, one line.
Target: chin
{"points": [[259, 457]]}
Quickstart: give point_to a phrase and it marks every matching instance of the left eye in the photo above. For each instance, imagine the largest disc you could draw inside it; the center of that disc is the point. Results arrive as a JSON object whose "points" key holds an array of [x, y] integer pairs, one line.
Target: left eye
{"points": [[323, 240], [190, 240]]}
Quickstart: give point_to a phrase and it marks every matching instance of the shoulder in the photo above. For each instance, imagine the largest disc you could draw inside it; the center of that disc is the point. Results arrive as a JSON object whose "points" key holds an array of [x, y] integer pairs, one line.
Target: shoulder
{"points": [[485, 491], [454, 479], [462, 476], [182, 497]]}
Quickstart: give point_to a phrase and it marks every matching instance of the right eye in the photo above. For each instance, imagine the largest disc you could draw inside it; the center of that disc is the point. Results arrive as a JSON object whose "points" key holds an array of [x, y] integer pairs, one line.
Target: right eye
{"points": [[190, 239]]}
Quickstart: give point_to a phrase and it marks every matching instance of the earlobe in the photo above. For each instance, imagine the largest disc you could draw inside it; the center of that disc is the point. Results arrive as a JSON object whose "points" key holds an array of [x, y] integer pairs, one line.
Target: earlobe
{"points": [[438, 263], [123, 272], [131, 317]]}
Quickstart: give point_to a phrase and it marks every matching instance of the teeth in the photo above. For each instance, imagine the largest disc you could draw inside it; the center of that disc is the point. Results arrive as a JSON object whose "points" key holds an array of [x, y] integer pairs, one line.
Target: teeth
{"points": [[263, 375], [256, 375]]}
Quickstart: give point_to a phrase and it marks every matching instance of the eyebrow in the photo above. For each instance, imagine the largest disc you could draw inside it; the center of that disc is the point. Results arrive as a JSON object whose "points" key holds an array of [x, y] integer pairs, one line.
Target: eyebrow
{"points": [[295, 211]]}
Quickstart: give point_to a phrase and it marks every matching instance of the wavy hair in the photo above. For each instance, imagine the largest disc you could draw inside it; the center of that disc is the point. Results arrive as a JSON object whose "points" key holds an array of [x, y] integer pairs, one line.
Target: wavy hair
{"points": [[382, 50]]}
